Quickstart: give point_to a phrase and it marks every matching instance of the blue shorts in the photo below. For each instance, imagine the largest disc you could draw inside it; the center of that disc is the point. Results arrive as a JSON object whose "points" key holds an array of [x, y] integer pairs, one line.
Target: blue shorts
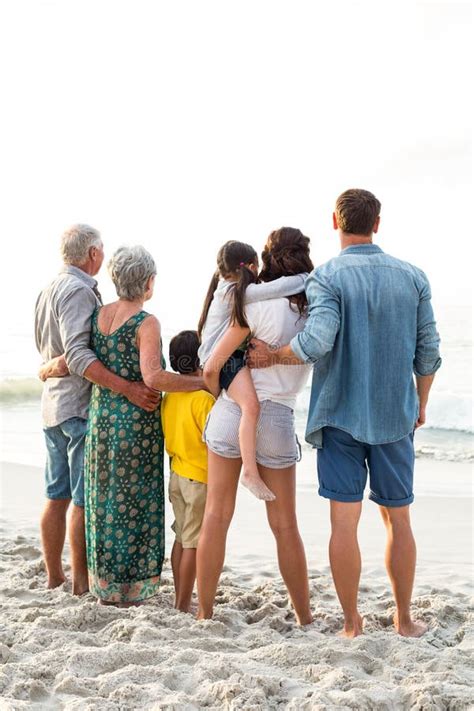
{"points": [[64, 472], [231, 367], [343, 464]]}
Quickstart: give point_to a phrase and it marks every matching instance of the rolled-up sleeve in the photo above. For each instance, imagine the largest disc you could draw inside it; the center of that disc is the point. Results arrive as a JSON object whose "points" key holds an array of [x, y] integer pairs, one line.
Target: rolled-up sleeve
{"points": [[427, 356], [324, 320], [74, 316]]}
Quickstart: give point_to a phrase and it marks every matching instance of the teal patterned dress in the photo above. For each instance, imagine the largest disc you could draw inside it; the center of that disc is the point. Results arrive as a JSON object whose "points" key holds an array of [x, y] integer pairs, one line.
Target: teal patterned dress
{"points": [[124, 497]]}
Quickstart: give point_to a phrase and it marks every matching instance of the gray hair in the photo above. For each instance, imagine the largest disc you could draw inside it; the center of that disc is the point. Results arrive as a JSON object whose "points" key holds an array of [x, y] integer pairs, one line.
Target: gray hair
{"points": [[76, 243], [130, 268]]}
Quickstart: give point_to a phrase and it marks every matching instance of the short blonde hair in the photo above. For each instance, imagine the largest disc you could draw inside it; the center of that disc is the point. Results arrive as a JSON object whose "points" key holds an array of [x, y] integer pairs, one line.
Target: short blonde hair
{"points": [[76, 243], [130, 269]]}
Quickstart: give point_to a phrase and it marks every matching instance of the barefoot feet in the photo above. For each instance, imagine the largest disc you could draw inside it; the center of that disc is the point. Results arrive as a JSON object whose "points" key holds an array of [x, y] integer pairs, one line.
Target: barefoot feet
{"points": [[352, 628], [408, 627], [257, 486], [55, 581]]}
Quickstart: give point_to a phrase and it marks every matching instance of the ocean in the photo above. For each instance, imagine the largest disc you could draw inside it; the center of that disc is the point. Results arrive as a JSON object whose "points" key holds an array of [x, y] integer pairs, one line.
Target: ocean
{"points": [[448, 435]]}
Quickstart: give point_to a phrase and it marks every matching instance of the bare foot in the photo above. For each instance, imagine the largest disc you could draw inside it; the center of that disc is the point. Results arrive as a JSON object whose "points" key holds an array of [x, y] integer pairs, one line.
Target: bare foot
{"points": [[201, 615], [257, 487], [79, 586], [56, 581], [352, 628], [409, 628]]}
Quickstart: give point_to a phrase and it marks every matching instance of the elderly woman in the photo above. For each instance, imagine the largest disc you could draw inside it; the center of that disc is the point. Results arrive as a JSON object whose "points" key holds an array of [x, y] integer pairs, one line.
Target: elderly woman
{"points": [[124, 498]]}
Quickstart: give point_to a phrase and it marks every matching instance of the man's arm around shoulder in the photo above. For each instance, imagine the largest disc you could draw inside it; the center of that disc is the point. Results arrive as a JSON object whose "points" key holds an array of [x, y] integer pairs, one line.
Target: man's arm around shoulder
{"points": [[320, 331]]}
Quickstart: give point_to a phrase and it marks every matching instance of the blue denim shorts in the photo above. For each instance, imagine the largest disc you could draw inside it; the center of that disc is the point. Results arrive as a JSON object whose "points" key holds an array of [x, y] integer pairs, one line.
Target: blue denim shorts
{"points": [[344, 463], [64, 473]]}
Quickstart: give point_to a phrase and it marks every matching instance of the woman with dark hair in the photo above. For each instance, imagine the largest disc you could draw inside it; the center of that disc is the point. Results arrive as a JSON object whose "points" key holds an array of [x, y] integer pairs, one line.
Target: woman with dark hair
{"points": [[274, 320], [232, 286]]}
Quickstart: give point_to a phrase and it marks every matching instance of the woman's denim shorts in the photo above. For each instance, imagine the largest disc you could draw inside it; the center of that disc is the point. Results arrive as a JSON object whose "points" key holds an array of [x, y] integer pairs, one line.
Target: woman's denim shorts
{"points": [[277, 443]]}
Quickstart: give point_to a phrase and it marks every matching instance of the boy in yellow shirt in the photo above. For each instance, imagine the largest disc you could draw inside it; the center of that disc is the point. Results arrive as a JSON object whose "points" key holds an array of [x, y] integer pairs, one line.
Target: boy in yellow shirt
{"points": [[183, 417]]}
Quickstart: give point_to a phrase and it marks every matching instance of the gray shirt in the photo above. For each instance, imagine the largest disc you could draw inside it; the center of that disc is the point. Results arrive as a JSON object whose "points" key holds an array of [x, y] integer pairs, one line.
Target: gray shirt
{"points": [[63, 326]]}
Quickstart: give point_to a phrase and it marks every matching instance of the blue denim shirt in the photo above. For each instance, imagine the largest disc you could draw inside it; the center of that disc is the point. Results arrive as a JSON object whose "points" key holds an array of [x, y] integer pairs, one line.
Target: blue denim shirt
{"points": [[370, 328]]}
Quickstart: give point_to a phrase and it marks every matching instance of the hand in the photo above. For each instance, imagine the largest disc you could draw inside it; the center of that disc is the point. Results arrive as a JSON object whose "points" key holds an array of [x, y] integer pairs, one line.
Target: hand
{"points": [[260, 354], [142, 396], [54, 368], [43, 372], [421, 418]]}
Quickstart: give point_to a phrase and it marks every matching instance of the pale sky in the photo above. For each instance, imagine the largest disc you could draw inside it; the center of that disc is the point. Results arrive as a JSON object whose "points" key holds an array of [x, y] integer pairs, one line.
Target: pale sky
{"points": [[180, 125]]}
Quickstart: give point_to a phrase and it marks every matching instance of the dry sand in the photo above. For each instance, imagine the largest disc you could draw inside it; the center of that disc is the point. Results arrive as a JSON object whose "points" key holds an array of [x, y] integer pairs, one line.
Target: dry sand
{"points": [[61, 652]]}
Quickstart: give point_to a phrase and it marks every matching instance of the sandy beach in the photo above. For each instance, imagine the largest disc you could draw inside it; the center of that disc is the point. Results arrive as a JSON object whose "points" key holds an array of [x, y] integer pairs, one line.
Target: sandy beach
{"points": [[61, 652]]}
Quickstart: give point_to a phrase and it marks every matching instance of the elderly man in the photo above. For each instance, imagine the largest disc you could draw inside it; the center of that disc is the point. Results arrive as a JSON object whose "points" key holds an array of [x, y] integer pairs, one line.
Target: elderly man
{"points": [[370, 328], [62, 328]]}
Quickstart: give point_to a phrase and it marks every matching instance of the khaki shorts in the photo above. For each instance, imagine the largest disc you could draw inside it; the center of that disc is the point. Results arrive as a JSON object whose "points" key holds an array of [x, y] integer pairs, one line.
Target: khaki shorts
{"points": [[188, 498]]}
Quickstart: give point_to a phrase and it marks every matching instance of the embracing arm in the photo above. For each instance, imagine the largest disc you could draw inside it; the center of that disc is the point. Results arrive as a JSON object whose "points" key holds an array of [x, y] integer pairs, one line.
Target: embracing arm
{"points": [[75, 314], [221, 352], [54, 368], [153, 374], [284, 286], [319, 334]]}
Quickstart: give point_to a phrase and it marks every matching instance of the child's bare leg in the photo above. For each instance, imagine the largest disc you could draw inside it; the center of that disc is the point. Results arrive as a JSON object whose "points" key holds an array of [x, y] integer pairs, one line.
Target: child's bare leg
{"points": [[243, 392], [176, 554], [187, 577]]}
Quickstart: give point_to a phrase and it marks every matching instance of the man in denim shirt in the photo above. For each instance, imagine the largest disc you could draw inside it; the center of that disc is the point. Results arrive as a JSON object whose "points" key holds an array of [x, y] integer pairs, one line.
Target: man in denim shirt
{"points": [[370, 329]]}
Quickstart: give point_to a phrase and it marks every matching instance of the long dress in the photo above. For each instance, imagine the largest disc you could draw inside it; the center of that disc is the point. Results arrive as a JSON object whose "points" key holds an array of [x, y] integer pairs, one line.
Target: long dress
{"points": [[124, 497]]}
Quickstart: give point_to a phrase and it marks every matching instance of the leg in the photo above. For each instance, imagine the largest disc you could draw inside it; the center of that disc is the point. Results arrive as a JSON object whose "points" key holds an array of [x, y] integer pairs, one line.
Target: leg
{"points": [[176, 553], [342, 473], [400, 559], [243, 392], [75, 430], [281, 515], [53, 534], [223, 478], [344, 555], [77, 541], [187, 577]]}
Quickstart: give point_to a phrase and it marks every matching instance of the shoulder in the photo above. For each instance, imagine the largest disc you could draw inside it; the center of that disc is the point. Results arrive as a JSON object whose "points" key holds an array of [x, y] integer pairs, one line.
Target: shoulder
{"points": [[148, 323], [74, 294], [417, 274]]}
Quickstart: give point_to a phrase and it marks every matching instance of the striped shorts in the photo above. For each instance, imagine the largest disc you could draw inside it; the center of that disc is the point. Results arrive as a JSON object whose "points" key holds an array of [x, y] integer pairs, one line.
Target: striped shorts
{"points": [[277, 443]]}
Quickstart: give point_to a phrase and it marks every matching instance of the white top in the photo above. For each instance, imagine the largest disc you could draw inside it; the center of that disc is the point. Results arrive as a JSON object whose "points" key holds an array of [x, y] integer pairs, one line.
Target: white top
{"points": [[220, 311], [277, 322]]}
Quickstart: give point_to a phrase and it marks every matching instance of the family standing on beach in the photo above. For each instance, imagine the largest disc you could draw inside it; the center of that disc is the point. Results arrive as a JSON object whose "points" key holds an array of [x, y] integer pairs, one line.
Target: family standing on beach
{"points": [[362, 322]]}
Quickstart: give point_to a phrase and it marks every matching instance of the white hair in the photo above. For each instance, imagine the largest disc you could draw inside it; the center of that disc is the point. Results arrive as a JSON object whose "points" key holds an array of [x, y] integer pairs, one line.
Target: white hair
{"points": [[130, 269], [76, 243]]}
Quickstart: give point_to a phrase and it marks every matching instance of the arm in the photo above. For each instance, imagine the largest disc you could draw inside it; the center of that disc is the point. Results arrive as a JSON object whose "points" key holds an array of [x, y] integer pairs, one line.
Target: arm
{"points": [[221, 352], [153, 374], [54, 368], [423, 386], [427, 357], [319, 334], [284, 286], [74, 316]]}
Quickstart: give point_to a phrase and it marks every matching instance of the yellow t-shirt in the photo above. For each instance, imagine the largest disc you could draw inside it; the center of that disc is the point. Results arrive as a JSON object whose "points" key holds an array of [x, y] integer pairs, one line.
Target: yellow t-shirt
{"points": [[183, 416]]}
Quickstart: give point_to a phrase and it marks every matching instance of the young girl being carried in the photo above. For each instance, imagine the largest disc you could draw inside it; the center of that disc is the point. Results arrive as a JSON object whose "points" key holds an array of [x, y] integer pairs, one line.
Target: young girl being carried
{"points": [[232, 286]]}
